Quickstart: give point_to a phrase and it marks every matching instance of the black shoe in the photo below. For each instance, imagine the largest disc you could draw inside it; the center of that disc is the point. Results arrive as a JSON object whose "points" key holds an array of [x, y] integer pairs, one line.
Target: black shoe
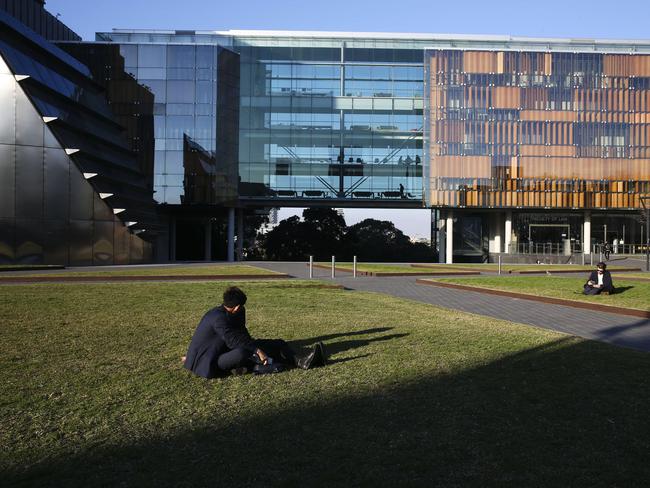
{"points": [[306, 362], [323, 354], [314, 359]]}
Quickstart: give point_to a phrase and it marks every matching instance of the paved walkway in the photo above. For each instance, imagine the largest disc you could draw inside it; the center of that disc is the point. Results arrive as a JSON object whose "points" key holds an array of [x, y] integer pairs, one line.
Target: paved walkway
{"points": [[616, 329]]}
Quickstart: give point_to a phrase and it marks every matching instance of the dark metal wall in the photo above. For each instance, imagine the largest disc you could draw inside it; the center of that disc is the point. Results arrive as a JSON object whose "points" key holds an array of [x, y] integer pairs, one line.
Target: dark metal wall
{"points": [[72, 190]]}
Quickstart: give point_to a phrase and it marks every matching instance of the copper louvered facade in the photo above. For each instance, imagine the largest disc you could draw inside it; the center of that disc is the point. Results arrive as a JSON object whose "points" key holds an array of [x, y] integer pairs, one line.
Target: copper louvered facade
{"points": [[507, 129]]}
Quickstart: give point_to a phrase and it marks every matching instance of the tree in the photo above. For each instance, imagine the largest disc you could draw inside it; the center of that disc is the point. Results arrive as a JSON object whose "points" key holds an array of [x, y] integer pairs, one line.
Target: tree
{"points": [[380, 240], [324, 230], [286, 242], [320, 234]]}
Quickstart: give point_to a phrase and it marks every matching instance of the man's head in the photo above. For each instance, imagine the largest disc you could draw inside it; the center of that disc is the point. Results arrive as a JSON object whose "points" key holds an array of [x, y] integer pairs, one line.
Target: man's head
{"points": [[233, 299], [601, 267]]}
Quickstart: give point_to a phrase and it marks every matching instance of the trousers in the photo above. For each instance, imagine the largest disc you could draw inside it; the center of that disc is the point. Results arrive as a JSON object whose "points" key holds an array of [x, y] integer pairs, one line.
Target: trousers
{"points": [[277, 349]]}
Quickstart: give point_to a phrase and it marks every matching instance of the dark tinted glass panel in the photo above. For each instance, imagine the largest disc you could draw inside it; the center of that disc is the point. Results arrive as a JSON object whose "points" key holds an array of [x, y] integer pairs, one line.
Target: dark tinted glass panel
{"points": [[205, 56], [81, 242], [101, 210], [29, 125], [56, 184], [136, 249], [150, 56], [103, 243], [7, 109], [180, 56], [29, 181], [81, 197], [180, 91], [7, 181], [7, 244], [55, 235], [29, 241], [121, 244]]}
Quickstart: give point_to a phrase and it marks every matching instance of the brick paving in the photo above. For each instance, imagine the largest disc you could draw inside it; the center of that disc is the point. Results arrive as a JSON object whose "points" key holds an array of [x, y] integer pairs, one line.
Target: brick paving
{"points": [[607, 327]]}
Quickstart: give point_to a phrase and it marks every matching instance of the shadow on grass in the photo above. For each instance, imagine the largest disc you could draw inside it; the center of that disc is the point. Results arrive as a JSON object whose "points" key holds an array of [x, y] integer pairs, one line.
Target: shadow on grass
{"points": [[621, 289], [330, 337], [568, 413]]}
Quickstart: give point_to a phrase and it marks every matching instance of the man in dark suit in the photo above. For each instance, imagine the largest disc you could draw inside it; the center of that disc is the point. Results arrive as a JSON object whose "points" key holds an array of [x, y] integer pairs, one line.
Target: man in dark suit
{"points": [[599, 281], [222, 344]]}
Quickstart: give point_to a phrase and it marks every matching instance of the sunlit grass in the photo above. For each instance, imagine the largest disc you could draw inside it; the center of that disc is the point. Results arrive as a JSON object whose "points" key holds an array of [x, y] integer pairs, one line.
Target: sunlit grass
{"points": [[632, 294], [210, 269], [94, 395]]}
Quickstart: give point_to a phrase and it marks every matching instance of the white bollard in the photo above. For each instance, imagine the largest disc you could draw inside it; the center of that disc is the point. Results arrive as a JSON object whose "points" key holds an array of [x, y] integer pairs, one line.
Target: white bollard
{"points": [[354, 267], [333, 266], [311, 267], [499, 263]]}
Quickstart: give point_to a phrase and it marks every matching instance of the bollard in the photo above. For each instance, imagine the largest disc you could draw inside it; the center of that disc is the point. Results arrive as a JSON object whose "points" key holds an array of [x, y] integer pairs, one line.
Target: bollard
{"points": [[354, 267], [311, 267], [583, 259], [333, 266], [499, 263]]}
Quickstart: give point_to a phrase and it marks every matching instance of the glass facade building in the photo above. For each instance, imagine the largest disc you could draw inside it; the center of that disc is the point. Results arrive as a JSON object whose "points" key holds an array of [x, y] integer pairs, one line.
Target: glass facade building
{"points": [[543, 133], [320, 118], [513, 143]]}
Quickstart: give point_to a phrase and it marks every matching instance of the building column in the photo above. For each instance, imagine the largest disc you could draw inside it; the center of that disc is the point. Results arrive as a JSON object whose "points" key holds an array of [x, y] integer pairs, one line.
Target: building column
{"points": [[449, 247], [231, 235], [207, 240], [586, 234], [508, 232], [240, 234], [442, 235], [495, 233]]}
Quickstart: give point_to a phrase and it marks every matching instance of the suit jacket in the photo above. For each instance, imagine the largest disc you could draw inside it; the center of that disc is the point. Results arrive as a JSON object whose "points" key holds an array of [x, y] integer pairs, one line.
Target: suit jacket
{"points": [[217, 333], [607, 280]]}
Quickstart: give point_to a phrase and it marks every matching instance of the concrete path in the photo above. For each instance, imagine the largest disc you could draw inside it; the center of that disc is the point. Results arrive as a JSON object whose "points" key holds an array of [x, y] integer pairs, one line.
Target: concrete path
{"points": [[615, 329]]}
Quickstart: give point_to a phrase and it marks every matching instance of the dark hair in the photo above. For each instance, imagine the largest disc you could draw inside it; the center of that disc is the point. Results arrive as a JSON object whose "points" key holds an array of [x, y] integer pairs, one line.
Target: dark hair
{"points": [[601, 265], [233, 296]]}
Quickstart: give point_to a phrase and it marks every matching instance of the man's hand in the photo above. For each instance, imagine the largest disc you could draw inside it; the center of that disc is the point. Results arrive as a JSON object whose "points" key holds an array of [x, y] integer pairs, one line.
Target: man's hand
{"points": [[262, 355]]}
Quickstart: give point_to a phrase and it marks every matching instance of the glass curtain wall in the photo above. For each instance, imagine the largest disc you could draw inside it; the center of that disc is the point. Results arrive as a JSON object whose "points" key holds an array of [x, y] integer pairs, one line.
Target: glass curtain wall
{"points": [[321, 120], [183, 79], [537, 129]]}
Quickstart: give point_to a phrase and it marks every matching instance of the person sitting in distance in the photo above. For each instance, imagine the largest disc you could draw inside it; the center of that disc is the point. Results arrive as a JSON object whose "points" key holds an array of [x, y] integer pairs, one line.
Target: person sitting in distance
{"points": [[599, 281], [222, 344]]}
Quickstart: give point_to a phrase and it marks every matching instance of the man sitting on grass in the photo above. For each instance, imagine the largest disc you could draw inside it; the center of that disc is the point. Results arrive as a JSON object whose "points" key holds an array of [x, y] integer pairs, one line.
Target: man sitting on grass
{"points": [[222, 344], [599, 281]]}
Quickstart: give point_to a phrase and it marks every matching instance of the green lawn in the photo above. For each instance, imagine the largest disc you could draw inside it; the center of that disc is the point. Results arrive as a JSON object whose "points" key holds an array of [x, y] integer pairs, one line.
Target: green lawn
{"points": [[505, 268], [93, 395], [210, 269], [645, 276], [390, 268], [630, 294]]}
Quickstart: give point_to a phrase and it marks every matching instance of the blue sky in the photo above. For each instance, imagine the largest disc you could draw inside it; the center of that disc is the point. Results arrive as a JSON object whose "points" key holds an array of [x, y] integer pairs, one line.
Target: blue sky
{"points": [[549, 18]]}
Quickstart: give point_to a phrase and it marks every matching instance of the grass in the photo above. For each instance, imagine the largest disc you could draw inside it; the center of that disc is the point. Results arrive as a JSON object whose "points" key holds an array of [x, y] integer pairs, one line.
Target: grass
{"points": [[389, 268], [93, 395], [212, 269], [645, 276], [629, 294], [528, 267]]}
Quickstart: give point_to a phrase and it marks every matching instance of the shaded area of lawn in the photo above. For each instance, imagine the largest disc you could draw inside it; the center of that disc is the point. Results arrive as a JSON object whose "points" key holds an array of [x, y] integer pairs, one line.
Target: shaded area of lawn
{"points": [[415, 396], [211, 269], [630, 294]]}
